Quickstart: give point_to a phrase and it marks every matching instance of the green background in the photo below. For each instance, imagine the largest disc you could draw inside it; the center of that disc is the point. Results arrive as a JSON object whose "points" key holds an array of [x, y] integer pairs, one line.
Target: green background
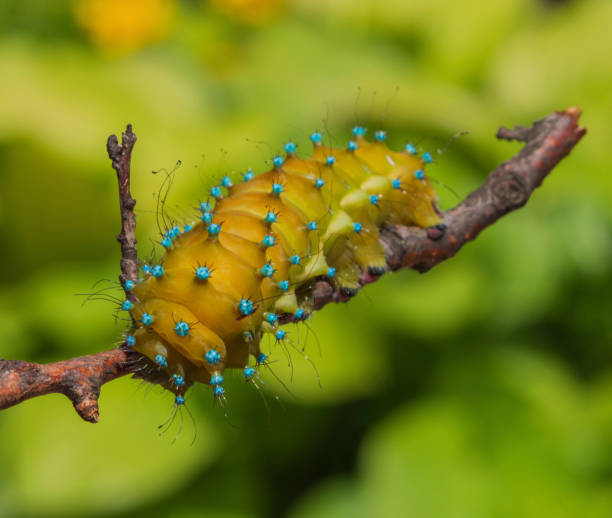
{"points": [[481, 389]]}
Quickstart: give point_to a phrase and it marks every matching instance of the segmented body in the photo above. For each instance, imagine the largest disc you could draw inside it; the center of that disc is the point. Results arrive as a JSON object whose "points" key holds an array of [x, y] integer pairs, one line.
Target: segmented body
{"points": [[259, 247]]}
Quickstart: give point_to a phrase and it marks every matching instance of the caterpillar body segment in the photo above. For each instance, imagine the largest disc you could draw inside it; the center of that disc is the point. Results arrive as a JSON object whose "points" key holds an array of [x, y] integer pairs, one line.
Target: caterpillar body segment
{"points": [[259, 247]]}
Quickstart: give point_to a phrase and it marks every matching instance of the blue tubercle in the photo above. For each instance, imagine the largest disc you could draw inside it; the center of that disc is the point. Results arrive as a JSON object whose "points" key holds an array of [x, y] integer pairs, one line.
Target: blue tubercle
{"points": [[203, 273], [245, 306], [290, 147], [419, 174], [186, 229], [204, 206], [280, 334], [319, 183], [212, 357], [146, 269], [248, 372], [299, 314], [316, 137], [271, 318], [161, 360], [157, 271], [181, 328], [410, 148], [179, 400], [129, 284], [268, 240], [267, 270], [216, 379], [127, 305], [330, 160], [312, 225], [174, 231], [227, 182], [166, 242], [357, 227], [295, 259], [215, 192], [397, 183], [374, 199], [218, 391], [178, 380], [331, 272], [261, 358], [380, 135], [352, 145], [283, 285], [249, 175], [130, 341], [277, 188], [207, 217], [427, 158], [147, 319], [278, 161], [359, 131], [271, 217], [213, 229]]}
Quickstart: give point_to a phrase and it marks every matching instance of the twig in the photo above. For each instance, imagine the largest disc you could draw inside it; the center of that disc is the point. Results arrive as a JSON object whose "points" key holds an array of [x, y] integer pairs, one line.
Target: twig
{"points": [[120, 156], [506, 189]]}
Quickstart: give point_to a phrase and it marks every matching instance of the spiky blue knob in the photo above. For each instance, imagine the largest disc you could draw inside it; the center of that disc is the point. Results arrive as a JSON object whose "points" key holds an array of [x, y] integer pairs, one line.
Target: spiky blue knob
{"points": [[212, 357], [268, 240], [181, 328], [271, 318], [216, 379], [380, 135], [267, 270], [245, 306], [316, 137], [410, 148], [202, 273]]}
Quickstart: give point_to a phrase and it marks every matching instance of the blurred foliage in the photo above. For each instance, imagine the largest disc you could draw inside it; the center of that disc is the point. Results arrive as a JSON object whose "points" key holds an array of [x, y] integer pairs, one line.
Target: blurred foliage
{"points": [[483, 388]]}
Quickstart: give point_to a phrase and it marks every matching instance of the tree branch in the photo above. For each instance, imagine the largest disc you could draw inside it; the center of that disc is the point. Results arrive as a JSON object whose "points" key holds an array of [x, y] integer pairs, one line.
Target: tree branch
{"points": [[506, 189]]}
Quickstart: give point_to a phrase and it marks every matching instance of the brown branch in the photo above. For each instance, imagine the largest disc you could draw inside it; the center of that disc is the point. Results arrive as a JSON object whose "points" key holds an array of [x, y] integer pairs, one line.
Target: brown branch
{"points": [[79, 379], [120, 156], [506, 189]]}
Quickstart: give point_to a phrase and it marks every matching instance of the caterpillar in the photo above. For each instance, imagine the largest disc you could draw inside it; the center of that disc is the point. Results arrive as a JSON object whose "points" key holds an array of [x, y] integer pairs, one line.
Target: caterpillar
{"points": [[250, 262]]}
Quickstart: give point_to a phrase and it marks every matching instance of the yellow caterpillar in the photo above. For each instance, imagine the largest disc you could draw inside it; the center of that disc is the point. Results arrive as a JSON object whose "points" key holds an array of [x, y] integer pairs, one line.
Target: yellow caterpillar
{"points": [[250, 261]]}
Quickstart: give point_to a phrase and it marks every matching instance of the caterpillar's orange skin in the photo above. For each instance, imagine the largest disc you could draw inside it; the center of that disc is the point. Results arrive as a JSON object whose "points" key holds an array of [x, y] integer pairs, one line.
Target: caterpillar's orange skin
{"points": [[211, 308]]}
